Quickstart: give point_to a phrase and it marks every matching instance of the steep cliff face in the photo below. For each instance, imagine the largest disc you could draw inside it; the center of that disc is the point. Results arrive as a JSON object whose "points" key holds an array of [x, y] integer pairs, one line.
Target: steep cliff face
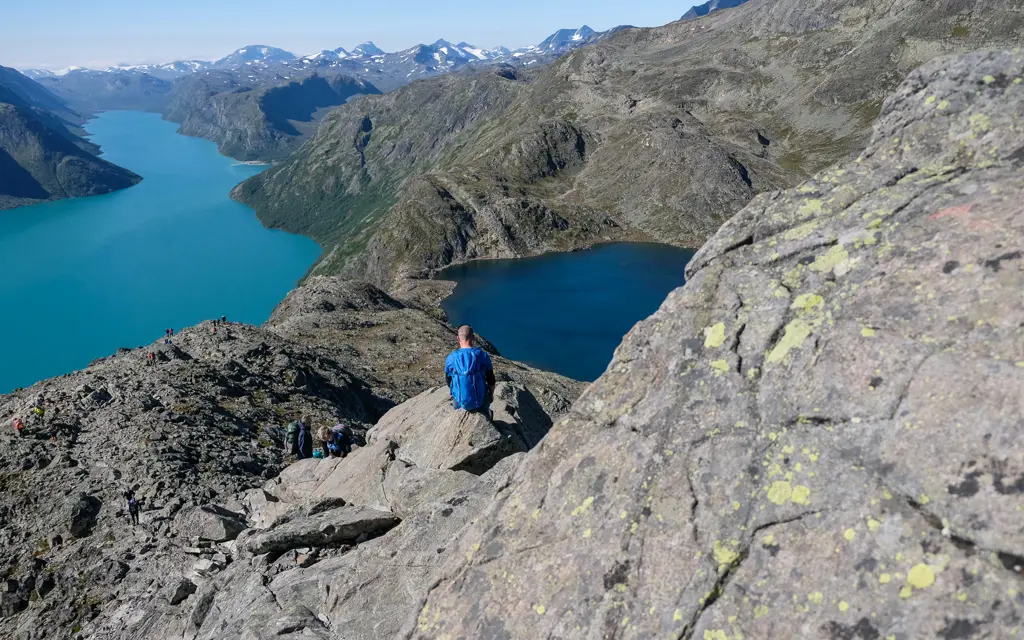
{"points": [[653, 133], [40, 162], [819, 436]]}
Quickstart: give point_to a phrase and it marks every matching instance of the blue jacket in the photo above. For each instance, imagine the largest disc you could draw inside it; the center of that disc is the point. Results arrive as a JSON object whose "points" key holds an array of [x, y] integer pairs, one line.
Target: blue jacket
{"points": [[470, 377]]}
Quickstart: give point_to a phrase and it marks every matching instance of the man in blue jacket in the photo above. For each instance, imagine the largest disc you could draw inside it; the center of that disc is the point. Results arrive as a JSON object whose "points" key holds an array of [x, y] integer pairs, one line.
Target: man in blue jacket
{"points": [[470, 375]]}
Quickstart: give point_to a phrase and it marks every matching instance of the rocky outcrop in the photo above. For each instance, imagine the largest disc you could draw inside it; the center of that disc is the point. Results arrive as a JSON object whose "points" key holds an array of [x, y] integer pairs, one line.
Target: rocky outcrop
{"points": [[658, 134], [818, 436], [344, 524], [459, 440], [209, 522], [397, 347], [197, 431], [341, 544]]}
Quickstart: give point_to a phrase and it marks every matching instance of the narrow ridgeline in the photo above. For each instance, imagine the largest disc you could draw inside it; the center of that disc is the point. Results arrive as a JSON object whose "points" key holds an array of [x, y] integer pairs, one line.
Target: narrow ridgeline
{"points": [[194, 428]]}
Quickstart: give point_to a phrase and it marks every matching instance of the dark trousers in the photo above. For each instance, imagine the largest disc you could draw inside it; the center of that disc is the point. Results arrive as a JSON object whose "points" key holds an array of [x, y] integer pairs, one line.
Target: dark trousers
{"points": [[135, 516], [484, 410]]}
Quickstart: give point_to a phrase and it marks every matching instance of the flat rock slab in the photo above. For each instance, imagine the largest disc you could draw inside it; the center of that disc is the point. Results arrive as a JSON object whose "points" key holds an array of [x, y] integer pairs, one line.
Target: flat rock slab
{"points": [[346, 524], [209, 522]]}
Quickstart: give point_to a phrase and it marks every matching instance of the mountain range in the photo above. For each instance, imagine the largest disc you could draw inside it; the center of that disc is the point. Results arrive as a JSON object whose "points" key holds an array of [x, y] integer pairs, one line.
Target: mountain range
{"points": [[225, 100], [818, 436], [366, 60]]}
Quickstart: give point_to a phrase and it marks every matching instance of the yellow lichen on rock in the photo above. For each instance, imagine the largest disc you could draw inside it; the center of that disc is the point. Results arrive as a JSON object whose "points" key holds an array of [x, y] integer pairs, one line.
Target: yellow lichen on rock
{"points": [[832, 259], [921, 576], [714, 336], [780, 492]]}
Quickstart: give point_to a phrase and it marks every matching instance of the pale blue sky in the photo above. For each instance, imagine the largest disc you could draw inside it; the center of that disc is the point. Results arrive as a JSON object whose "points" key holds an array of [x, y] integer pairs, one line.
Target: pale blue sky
{"points": [[95, 33]]}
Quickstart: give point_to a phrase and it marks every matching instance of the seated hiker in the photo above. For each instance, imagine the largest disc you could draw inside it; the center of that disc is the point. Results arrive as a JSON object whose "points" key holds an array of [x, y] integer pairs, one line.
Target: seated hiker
{"points": [[305, 439], [339, 442], [470, 375]]}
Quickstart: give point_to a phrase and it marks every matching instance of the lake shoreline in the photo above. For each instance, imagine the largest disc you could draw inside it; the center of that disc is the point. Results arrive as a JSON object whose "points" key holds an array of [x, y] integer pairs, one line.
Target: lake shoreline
{"points": [[564, 312], [88, 276]]}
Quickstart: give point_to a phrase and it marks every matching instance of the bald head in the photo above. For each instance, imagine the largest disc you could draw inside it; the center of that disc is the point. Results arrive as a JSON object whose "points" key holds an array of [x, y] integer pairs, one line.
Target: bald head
{"points": [[465, 336]]}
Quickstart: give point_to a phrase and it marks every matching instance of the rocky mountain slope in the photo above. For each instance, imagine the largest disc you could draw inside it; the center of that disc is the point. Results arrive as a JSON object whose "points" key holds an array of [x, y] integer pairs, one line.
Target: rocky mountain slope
{"points": [[817, 437], [253, 118], [653, 133], [711, 6], [196, 428], [41, 157]]}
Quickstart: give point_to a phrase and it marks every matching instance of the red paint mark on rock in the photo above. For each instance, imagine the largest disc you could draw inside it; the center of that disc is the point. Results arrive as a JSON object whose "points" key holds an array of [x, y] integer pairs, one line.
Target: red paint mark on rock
{"points": [[953, 212]]}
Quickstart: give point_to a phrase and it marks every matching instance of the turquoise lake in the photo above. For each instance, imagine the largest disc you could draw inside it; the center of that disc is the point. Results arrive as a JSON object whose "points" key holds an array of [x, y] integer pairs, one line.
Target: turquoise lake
{"points": [[80, 278], [565, 312]]}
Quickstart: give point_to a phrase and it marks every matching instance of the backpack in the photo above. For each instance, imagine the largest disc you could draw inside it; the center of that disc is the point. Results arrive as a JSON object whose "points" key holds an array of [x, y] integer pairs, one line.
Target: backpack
{"points": [[292, 433], [468, 369], [338, 441]]}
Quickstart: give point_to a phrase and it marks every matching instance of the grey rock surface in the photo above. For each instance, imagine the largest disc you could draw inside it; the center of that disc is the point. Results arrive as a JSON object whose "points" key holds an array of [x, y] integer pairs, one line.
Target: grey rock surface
{"points": [[343, 524], [819, 436], [200, 425], [209, 522], [429, 434]]}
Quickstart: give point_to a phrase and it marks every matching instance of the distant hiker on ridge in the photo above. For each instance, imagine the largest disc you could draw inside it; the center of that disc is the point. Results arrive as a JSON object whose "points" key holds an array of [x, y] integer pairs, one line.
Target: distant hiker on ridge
{"points": [[133, 506], [470, 375]]}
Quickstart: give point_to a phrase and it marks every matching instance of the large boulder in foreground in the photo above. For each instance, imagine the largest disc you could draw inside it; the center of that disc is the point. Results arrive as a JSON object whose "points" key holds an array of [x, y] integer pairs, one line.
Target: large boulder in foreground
{"points": [[819, 436], [430, 434], [425, 433]]}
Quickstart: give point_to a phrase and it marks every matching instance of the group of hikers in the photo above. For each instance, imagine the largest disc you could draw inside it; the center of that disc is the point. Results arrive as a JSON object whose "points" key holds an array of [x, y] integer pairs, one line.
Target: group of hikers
{"points": [[336, 442], [169, 333], [38, 415], [469, 374]]}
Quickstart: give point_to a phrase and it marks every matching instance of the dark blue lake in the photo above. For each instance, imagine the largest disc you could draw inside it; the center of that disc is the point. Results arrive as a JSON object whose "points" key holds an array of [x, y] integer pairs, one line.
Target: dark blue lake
{"points": [[565, 312], [80, 278]]}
